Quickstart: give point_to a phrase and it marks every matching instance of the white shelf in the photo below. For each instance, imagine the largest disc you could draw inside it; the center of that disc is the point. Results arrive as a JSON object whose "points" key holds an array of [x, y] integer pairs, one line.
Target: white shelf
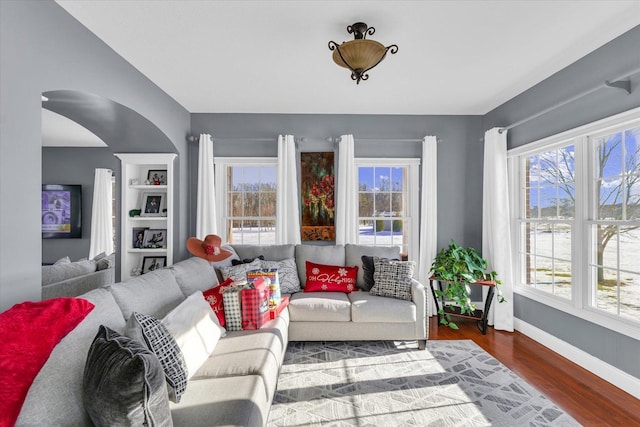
{"points": [[161, 188], [136, 166]]}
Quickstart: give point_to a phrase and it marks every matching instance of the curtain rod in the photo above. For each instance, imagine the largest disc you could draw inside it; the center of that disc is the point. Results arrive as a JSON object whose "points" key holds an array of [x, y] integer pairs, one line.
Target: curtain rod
{"points": [[616, 83], [193, 138], [337, 139]]}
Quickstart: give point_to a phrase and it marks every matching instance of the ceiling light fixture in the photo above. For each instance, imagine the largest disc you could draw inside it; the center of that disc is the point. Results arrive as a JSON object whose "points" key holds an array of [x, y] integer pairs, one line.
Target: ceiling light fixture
{"points": [[360, 55]]}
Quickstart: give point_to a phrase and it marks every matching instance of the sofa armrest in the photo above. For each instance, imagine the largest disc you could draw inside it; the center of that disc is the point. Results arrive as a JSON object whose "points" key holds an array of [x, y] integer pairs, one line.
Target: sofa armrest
{"points": [[419, 297], [79, 285]]}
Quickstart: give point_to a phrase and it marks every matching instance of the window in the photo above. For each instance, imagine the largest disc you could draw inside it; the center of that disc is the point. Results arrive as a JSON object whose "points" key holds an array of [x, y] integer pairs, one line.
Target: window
{"points": [[388, 203], [577, 221], [248, 198]]}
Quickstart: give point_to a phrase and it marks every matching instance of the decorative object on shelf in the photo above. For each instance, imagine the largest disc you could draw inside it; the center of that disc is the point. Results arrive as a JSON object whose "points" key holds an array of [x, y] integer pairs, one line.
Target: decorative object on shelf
{"points": [[152, 204], [155, 238], [360, 55], [157, 176], [318, 200], [459, 267], [151, 263], [138, 237], [136, 271], [134, 182], [135, 212]]}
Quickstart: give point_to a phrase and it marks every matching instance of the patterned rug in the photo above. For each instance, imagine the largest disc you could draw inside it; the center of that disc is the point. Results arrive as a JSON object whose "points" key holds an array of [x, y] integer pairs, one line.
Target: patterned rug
{"points": [[382, 383]]}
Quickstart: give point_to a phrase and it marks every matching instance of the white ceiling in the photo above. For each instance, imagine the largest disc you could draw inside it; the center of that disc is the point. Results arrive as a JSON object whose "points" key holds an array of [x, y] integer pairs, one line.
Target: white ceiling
{"points": [[59, 131], [455, 57]]}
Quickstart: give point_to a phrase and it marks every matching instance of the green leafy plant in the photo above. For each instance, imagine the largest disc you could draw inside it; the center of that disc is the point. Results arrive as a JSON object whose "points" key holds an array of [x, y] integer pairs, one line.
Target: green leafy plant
{"points": [[458, 267]]}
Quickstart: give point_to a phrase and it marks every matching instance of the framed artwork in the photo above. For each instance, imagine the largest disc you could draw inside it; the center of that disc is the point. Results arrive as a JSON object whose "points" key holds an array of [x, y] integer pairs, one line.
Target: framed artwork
{"points": [[155, 238], [153, 204], [137, 241], [157, 176], [151, 263], [317, 190]]}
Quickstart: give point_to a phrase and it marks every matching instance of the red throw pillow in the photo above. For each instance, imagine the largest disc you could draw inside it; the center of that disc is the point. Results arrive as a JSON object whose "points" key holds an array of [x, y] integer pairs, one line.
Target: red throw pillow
{"points": [[330, 278], [214, 298]]}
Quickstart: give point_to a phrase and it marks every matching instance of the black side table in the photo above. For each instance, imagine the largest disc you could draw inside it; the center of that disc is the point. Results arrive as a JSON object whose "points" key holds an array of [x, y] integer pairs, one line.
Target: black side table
{"points": [[479, 315]]}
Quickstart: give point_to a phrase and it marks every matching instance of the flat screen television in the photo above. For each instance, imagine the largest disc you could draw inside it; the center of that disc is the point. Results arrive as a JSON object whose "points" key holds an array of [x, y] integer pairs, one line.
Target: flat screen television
{"points": [[61, 211]]}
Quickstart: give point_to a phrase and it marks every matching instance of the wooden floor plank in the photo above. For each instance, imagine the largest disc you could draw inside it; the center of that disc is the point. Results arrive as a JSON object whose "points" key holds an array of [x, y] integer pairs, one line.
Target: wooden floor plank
{"points": [[589, 399]]}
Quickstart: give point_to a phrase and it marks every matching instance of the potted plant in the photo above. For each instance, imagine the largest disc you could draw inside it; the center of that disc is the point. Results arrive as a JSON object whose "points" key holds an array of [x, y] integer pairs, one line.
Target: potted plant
{"points": [[458, 267]]}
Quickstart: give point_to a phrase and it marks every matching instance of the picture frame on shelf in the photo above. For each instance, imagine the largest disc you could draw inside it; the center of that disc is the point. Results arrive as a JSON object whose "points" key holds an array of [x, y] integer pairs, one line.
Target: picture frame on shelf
{"points": [[157, 176], [155, 238], [151, 263], [153, 204], [137, 241]]}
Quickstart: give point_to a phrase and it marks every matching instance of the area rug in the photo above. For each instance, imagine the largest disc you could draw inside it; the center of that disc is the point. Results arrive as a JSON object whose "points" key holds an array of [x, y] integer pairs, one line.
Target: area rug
{"points": [[385, 383]]}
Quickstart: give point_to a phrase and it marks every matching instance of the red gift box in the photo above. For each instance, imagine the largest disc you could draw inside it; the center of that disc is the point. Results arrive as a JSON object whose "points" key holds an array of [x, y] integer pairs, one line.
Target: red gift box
{"points": [[255, 306], [276, 312]]}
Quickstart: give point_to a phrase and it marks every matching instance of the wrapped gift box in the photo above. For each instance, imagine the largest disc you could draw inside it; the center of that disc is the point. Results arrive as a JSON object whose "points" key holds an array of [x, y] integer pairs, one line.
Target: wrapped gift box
{"points": [[255, 305], [273, 313]]}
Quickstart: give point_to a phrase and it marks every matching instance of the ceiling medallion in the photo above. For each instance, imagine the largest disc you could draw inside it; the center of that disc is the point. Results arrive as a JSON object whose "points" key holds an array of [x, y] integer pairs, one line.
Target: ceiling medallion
{"points": [[360, 55]]}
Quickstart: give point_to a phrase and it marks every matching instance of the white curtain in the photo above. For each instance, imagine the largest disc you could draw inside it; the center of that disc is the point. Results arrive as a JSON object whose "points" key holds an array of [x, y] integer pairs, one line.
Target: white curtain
{"points": [[428, 214], [288, 205], [101, 214], [346, 214], [206, 198], [496, 231]]}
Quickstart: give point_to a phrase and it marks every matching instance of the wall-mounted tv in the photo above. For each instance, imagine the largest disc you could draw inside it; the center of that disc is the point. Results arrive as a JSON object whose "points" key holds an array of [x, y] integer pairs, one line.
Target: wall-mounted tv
{"points": [[61, 211]]}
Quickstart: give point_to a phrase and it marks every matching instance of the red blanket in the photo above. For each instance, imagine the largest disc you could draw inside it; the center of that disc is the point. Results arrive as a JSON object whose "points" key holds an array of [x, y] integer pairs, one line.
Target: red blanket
{"points": [[28, 334]]}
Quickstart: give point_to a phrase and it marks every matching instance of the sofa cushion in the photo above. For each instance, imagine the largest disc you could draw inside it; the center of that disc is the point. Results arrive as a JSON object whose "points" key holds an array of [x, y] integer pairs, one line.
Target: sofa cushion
{"points": [[154, 293], [330, 278], [372, 308], [55, 397], [329, 255], [194, 274], [353, 256], [196, 330], [151, 333], [229, 401], [369, 269], [124, 383], [393, 278], [320, 307], [66, 270], [245, 354], [287, 274], [270, 252], [239, 272]]}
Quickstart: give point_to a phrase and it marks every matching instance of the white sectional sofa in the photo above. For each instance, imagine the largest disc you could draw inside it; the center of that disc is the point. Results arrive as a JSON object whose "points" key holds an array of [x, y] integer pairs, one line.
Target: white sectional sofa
{"points": [[236, 385]]}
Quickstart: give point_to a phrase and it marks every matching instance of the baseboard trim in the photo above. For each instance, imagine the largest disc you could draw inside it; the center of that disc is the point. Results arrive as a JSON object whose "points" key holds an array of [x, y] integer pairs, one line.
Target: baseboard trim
{"points": [[609, 373]]}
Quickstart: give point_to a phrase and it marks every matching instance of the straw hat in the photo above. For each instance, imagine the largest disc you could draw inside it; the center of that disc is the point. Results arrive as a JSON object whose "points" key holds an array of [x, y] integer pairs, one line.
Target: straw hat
{"points": [[209, 248]]}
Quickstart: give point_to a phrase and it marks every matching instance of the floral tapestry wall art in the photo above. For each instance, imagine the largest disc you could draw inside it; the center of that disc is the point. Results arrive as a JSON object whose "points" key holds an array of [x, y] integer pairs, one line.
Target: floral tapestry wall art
{"points": [[318, 201]]}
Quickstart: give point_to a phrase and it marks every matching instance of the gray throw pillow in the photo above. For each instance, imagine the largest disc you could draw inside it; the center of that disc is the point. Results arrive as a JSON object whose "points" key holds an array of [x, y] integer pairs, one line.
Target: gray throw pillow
{"points": [[124, 384], [392, 278], [287, 274], [368, 268], [155, 337], [238, 273]]}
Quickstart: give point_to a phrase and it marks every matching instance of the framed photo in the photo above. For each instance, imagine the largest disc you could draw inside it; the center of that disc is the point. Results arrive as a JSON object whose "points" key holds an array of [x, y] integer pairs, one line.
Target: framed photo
{"points": [[137, 241], [151, 263], [155, 238], [153, 204], [157, 176]]}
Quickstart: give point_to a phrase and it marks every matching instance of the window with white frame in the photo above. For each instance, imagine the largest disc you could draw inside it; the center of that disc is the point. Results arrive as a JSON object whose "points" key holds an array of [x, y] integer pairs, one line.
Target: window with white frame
{"points": [[577, 221], [246, 200], [388, 203]]}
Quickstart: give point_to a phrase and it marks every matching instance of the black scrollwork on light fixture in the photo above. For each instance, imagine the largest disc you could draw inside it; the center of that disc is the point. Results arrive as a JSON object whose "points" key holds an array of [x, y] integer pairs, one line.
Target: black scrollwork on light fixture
{"points": [[360, 54]]}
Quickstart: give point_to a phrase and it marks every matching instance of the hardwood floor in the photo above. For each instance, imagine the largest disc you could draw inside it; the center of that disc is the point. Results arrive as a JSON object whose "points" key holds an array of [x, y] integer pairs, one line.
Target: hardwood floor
{"points": [[586, 397]]}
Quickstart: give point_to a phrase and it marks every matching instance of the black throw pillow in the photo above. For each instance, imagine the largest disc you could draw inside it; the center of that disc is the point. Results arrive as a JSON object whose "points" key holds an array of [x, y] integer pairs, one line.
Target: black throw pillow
{"points": [[124, 383], [246, 260]]}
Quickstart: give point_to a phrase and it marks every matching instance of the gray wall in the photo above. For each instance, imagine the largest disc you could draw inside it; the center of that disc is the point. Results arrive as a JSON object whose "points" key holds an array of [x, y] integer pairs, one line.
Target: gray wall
{"points": [[43, 48], [610, 61], [74, 166], [459, 153]]}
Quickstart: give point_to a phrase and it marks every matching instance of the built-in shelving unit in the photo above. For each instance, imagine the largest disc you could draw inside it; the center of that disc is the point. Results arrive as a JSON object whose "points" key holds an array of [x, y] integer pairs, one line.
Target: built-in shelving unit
{"points": [[155, 219]]}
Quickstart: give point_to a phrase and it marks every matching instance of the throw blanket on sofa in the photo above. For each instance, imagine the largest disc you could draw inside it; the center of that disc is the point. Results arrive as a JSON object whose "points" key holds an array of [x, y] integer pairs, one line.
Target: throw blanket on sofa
{"points": [[29, 332]]}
